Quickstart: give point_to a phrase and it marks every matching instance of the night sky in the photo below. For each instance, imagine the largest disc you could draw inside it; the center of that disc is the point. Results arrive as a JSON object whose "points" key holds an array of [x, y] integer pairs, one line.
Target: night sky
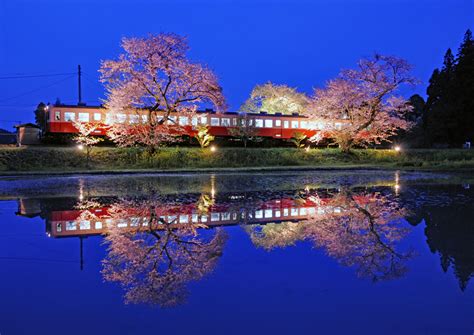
{"points": [[246, 42]]}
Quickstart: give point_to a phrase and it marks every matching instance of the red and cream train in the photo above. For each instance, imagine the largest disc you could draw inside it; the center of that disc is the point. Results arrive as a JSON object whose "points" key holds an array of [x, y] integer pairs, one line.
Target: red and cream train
{"points": [[60, 120]]}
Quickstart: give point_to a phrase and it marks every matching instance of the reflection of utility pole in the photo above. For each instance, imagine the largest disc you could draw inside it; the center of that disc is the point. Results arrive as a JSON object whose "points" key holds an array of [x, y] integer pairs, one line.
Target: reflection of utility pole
{"points": [[81, 252]]}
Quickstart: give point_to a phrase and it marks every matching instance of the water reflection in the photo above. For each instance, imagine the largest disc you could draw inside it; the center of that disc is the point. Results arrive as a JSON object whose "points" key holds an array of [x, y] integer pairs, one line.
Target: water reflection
{"points": [[159, 241]]}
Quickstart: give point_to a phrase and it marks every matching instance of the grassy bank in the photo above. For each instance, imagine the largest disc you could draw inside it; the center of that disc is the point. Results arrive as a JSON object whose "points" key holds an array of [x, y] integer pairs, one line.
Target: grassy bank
{"points": [[69, 159]]}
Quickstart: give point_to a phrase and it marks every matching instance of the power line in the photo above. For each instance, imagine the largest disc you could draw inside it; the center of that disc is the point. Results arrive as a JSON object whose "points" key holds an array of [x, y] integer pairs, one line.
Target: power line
{"points": [[38, 89], [37, 76]]}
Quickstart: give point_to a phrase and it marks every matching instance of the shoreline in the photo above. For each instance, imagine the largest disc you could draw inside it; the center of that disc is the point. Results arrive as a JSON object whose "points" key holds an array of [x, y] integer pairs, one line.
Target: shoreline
{"points": [[237, 170]]}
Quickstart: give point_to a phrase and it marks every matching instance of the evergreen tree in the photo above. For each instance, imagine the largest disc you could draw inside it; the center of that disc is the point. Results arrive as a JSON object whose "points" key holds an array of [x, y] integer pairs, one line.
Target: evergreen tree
{"points": [[40, 115], [449, 110]]}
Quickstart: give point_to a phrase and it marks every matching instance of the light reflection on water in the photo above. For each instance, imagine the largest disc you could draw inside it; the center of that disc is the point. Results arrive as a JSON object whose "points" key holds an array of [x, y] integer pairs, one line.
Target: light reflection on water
{"points": [[162, 235]]}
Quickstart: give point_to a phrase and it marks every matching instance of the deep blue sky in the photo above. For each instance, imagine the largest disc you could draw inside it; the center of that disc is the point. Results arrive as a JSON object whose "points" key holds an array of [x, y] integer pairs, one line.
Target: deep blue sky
{"points": [[300, 43]]}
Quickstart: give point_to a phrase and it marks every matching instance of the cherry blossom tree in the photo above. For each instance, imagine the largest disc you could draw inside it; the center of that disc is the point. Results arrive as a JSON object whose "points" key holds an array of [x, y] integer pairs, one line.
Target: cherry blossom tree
{"points": [[273, 99], [85, 138], [154, 258], [245, 130], [202, 136], [358, 230], [364, 101], [154, 79]]}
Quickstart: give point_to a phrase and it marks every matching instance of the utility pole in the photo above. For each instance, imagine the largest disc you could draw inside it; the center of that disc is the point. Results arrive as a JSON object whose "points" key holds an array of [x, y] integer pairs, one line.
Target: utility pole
{"points": [[79, 103]]}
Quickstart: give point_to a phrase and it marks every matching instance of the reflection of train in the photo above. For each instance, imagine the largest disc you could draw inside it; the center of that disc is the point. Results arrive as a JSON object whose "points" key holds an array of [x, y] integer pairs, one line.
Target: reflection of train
{"points": [[65, 220], [60, 119]]}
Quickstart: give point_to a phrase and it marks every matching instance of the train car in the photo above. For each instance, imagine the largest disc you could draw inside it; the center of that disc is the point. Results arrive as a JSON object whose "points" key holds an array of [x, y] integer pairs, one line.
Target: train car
{"points": [[278, 126]]}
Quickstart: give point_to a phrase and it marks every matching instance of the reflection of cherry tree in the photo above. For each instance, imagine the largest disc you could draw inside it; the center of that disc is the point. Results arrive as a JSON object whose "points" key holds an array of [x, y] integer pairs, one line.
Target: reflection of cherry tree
{"points": [[154, 259], [358, 230]]}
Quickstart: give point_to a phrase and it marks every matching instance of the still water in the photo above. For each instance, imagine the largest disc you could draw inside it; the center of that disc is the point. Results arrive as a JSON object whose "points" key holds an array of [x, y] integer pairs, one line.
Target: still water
{"points": [[349, 252]]}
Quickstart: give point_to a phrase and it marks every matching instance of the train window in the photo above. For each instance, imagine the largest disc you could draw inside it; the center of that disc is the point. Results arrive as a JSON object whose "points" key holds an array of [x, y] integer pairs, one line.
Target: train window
{"points": [[59, 227], [203, 120], [286, 124], [250, 122], [285, 211], [97, 116], [294, 211], [194, 121], [268, 123], [277, 123], [225, 216], [304, 124], [258, 123], [83, 117], [214, 121], [234, 121], [215, 216], [98, 225], [183, 218], [338, 125], [144, 118], [294, 124], [121, 118], [183, 120], [108, 118], [268, 213], [171, 119], [277, 213], [133, 118], [320, 125], [225, 122], [69, 116], [71, 225], [57, 116], [84, 225], [312, 125]]}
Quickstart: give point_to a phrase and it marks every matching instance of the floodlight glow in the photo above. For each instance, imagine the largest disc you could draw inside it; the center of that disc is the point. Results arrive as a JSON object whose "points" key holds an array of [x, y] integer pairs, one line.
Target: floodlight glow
{"points": [[307, 148], [80, 147], [213, 148], [397, 148]]}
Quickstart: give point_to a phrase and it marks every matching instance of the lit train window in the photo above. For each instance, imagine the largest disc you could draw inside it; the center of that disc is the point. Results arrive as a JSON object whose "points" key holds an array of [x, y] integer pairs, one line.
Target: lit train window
{"points": [[108, 118], [195, 218], [203, 120], [258, 123], [171, 119], [204, 218], [234, 121], [59, 228], [214, 216], [133, 118], [268, 123], [225, 216], [84, 225], [338, 125], [320, 125], [225, 122], [98, 225], [194, 121], [121, 118], [97, 116], [214, 121], [294, 124], [294, 212], [144, 118], [286, 124], [183, 120], [277, 213], [69, 116], [277, 123], [268, 213], [83, 117], [71, 225], [57, 116], [285, 211], [183, 219], [304, 124]]}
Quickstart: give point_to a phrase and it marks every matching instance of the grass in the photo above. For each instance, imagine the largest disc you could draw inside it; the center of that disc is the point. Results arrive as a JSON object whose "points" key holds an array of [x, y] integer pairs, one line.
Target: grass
{"points": [[69, 159]]}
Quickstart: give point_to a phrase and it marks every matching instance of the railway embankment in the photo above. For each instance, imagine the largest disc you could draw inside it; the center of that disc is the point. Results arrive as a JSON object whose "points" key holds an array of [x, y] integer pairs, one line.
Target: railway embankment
{"points": [[44, 160]]}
